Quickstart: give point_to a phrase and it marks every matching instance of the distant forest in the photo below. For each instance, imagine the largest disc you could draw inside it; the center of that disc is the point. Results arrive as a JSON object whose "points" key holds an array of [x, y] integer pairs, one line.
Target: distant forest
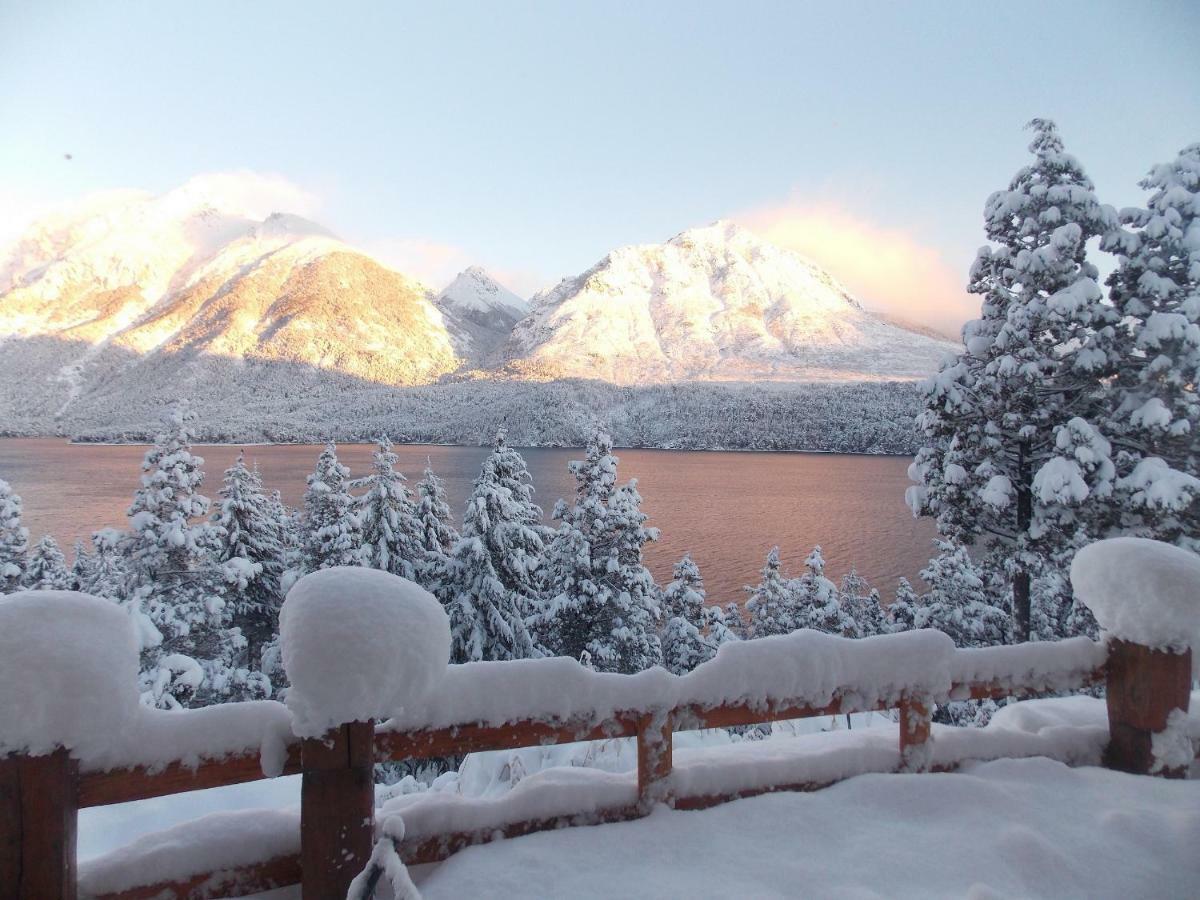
{"points": [[861, 417]]}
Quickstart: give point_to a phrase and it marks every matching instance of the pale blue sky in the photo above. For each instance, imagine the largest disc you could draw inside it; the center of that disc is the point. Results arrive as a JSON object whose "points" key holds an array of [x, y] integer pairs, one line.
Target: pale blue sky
{"points": [[533, 137]]}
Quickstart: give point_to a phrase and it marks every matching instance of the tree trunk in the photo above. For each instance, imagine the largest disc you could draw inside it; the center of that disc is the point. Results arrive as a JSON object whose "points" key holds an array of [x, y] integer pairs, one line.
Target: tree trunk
{"points": [[1021, 606], [1021, 578]]}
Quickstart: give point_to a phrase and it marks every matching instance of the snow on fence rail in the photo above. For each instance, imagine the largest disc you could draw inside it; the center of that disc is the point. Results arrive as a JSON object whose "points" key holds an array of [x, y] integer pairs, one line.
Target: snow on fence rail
{"points": [[427, 709]]}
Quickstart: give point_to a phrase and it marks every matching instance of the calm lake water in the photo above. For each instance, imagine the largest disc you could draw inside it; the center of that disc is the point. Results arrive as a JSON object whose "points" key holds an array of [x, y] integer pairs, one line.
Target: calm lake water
{"points": [[727, 509]]}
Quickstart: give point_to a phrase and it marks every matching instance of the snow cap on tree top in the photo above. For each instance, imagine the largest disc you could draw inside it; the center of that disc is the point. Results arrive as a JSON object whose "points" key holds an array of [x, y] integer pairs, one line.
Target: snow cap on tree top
{"points": [[68, 674], [1141, 591], [359, 644]]}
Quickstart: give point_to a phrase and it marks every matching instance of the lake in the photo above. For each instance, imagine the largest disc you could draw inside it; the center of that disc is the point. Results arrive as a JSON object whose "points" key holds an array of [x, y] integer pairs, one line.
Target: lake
{"points": [[726, 509]]}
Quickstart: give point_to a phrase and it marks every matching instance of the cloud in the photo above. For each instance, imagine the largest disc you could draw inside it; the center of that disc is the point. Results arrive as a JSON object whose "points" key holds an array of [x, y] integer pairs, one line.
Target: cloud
{"points": [[253, 194], [888, 269]]}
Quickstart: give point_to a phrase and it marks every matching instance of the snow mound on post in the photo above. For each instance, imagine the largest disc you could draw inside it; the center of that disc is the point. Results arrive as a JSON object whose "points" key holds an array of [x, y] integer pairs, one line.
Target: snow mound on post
{"points": [[359, 644], [68, 674], [1142, 591]]}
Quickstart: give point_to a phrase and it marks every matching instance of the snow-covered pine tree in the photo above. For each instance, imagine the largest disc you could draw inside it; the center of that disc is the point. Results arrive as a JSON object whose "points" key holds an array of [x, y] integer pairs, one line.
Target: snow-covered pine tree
{"points": [[14, 540], [433, 513], [575, 612], [684, 644], [633, 643], [816, 599], [958, 603], [47, 569], [392, 534], [735, 622], [772, 602], [903, 610], [332, 531], [174, 588], [503, 508], [106, 574], [720, 626], [251, 553], [1154, 358], [601, 600], [860, 603], [488, 582], [1011, 459], [82, 565]]}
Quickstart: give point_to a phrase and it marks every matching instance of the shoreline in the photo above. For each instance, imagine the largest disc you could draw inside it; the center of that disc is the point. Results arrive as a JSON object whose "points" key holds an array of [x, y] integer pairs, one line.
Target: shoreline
{"points": [[367, 443]]}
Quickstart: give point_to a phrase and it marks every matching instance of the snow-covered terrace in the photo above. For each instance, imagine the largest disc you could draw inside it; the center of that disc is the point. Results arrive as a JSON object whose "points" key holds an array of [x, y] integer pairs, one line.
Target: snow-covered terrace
{"points": [[1014, 818]]}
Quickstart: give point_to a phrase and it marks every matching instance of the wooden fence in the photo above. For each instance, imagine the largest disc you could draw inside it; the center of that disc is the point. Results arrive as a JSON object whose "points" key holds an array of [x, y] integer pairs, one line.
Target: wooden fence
{"points": [[40, 796]]}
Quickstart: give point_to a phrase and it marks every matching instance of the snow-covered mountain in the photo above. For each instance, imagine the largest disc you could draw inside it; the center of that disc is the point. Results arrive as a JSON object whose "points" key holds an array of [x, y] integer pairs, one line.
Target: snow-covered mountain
{"points": [[713, 303], [134, 300], [480, 312], [176, 295]]}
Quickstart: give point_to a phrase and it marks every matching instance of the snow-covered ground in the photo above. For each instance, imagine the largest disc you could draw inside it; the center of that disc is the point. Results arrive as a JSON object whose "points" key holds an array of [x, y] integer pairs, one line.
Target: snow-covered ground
{"points": [[1012, 828]]}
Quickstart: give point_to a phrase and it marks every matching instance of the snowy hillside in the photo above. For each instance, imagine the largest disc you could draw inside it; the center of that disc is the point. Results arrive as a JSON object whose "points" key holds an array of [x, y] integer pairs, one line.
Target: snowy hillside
{"points": [[713, 303]]}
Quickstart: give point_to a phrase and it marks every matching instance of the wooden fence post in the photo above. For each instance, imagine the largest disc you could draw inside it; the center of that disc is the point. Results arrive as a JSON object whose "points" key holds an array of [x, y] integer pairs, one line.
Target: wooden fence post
{"points": [[916, 723], [1144, 687], [38, 818], [337, 809], [654, 759]]}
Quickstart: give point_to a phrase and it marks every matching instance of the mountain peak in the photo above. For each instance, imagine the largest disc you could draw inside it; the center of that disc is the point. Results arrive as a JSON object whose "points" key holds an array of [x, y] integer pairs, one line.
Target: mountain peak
{"points": [[722, 232], [473, 290], [716, 302]]}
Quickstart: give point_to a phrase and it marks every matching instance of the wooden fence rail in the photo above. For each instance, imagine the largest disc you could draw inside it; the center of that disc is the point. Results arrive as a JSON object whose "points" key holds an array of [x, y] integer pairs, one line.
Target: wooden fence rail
{"points": [[40, 796]]}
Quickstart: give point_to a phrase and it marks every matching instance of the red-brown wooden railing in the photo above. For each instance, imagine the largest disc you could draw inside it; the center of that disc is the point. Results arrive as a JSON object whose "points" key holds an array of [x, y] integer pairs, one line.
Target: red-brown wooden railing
{"points": [[40, 796]]}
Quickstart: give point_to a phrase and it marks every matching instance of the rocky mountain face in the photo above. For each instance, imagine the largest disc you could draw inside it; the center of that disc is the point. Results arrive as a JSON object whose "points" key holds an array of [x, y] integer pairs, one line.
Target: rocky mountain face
{"points": [[714, 303], [136, 300]]}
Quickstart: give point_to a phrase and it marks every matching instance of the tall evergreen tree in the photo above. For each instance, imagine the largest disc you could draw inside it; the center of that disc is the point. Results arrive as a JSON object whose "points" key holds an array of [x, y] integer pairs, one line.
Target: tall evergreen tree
{"points": [[1011, 458], [174, 588], [433, 513], [392, 534], [772, 602], [106, 575], [601, 600], [903, 610], [488, 582], [332, 533], [633, 642], [251, 553], [14, 540], [860, 602], [816, 599], [1153, 352], [958, 602], [47, 569], [83, 565], [684, 644]]}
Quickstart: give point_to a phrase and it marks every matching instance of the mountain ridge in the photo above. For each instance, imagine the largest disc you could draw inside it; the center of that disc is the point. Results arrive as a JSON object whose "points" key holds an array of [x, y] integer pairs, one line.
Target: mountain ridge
{"points": [[188, 293]]}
